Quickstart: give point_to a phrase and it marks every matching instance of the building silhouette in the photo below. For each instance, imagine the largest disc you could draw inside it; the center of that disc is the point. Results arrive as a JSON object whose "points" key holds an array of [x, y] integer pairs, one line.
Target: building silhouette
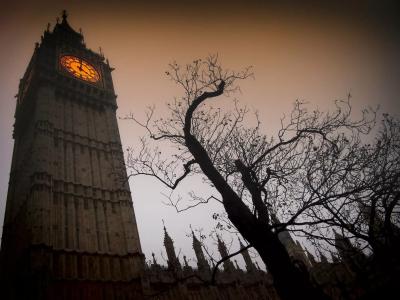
{"points": [[176, 282]]}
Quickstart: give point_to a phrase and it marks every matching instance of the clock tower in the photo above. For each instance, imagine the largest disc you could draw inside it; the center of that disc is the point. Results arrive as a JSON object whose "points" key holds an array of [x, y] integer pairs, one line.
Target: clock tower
{"points": [[69, 229]]}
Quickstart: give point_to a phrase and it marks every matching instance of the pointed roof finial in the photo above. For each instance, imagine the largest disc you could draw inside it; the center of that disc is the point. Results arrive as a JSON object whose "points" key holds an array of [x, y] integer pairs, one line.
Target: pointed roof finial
{"points": [[338, 236], [236, 264], [64, 15], [190, 225], [186, 263], [167, 238], [322, 256]]}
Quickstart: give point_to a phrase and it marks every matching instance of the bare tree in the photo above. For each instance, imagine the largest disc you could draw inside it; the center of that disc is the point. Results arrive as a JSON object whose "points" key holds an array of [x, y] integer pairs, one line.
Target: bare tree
{"points": [[360, 190], [256, 178]]}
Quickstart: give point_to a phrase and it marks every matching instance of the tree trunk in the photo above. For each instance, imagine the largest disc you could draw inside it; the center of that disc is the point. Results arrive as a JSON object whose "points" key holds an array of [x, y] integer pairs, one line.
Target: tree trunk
{"points": [[289, 281]]}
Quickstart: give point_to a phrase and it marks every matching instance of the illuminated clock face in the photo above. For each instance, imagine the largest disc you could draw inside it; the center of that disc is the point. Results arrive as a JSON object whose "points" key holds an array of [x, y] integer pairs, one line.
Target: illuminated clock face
{"points": [[80, 68]]}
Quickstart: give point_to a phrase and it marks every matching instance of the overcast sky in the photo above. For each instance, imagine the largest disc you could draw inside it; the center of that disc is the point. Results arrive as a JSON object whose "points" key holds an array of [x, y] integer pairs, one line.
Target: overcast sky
{"points": [[308, 51]]}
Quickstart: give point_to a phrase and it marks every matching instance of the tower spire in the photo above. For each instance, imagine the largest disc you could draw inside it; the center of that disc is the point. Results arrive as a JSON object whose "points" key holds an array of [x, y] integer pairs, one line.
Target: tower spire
{"points": [[236, 265], [65, 34], [311, 258], [349, 253], [202, 263], [246, 257], [173, 262], [322, 257], [64, 15], [154, 258], [228, 265]]}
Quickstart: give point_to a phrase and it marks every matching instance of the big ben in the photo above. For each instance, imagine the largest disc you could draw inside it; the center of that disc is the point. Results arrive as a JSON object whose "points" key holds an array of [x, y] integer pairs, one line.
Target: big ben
{"points": [[69, 229]]}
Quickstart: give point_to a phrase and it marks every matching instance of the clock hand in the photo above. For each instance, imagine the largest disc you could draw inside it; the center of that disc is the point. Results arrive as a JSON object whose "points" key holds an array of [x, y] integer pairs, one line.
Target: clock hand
{"points": [[82, 70]]}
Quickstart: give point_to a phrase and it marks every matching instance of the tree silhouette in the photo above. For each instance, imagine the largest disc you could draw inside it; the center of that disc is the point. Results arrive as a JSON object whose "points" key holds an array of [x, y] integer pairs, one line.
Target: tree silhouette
{"points": [[259, 180], [360, 191]]}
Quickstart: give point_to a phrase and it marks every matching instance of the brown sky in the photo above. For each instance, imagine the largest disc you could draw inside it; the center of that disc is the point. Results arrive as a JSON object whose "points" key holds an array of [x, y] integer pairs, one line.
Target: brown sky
{"points": [[307, 51]]}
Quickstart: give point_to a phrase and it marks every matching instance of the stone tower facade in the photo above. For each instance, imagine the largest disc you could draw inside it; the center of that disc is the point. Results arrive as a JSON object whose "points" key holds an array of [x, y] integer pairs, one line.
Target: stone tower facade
{"points": [[69, 228]]}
